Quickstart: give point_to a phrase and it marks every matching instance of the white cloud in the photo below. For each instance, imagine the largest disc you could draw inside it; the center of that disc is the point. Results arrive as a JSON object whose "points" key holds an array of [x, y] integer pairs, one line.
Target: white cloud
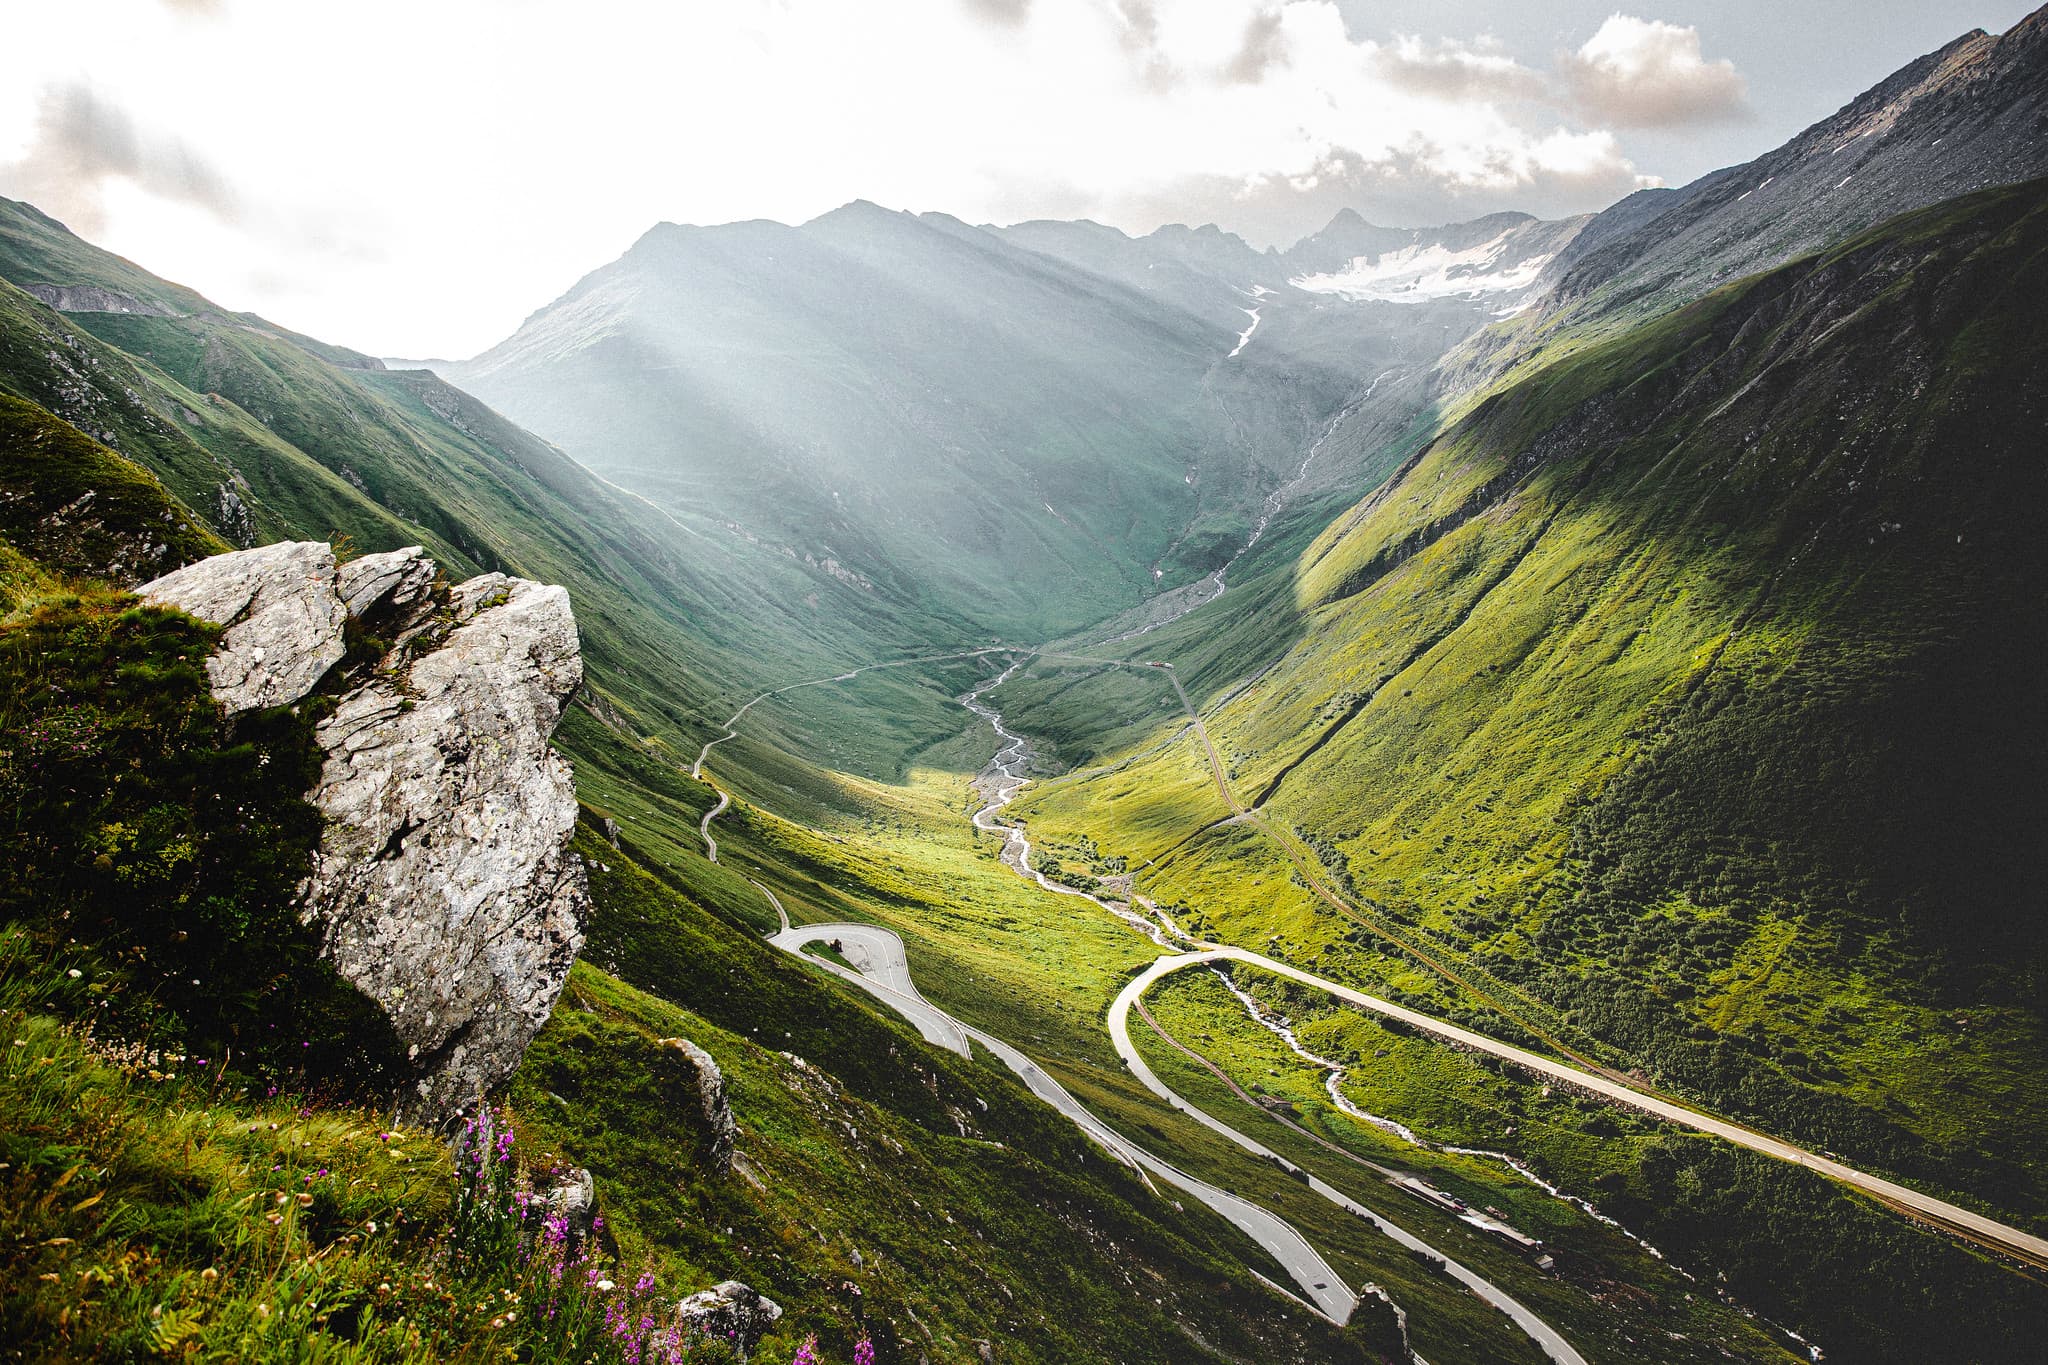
{"points": [[1452, 69], [1001, 11], [82, 141], [416, 178], [1645, 73]]}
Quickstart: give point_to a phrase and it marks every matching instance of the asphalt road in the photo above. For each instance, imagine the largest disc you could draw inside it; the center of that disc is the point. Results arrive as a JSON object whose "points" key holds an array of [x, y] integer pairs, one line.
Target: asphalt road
{"points": [[884, 972], [704, 825], [2023, 1246], [1539, 1331], [881, 970], [1976, 1226]]}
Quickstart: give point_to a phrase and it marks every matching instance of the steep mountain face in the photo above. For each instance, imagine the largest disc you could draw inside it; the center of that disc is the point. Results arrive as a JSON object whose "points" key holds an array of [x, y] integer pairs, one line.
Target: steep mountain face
{"points": [[1973, 114], [1380, 306], [1027, 428], [1970, 115], [265, 434], [1206, 271]]}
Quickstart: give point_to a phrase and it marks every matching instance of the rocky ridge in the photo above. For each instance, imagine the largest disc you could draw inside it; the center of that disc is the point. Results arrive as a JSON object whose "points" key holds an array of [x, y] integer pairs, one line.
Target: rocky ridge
{"points": [[442, 886], [1959, 119]]}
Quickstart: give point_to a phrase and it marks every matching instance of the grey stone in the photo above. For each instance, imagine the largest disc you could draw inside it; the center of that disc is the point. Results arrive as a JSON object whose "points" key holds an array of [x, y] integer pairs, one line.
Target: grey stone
{"points": [[284, 620], [398, 579], [478, 594], [444, 885], [729, 1309], [91, 298], [711, 1094], [574, 1197]]}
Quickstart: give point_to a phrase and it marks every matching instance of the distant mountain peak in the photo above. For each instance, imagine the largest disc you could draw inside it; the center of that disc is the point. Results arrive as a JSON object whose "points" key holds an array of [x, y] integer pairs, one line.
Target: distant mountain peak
{"points": [[857, 210]]}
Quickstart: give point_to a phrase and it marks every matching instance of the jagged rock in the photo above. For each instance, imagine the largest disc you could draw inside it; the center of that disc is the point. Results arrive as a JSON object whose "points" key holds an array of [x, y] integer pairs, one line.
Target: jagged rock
{"points": [[284, 620], [443, 885], [611, 831], [1381, 1326], [399, 579], [711, 1094], [444, 882], [230, 513], [730, 1309]]}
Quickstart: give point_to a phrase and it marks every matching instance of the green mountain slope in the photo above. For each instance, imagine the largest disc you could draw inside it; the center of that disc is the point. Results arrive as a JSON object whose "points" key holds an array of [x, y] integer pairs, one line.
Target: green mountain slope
{"points": [[1959, 119], [1684, 697], [1672, 699], [920, 1200]]}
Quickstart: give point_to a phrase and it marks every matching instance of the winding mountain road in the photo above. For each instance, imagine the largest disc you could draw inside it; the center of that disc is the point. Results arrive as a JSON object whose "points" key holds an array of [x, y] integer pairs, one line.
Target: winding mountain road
{"points": [[1539, 1331], [1605, 1082], [704, 825], [884, 972], [2022, 1245], [879, 966]]}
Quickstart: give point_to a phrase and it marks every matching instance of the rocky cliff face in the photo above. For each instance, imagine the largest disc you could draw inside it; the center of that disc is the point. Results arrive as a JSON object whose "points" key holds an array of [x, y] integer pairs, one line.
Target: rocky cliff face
{"points": [[442, 885]]}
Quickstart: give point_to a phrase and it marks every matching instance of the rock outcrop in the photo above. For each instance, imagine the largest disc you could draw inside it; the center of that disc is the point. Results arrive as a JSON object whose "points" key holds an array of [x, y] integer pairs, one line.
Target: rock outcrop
{"points": [[91, 298], [723, 1132], [443, 886]]}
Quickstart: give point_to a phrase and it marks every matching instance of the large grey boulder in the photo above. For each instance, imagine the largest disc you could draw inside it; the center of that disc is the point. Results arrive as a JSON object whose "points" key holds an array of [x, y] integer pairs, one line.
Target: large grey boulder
{"points": [[444, 882], [443, 885]]}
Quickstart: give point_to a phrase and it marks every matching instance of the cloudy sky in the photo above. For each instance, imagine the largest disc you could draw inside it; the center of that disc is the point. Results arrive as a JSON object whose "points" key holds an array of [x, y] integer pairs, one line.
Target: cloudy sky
{"points": [[412, 177]]}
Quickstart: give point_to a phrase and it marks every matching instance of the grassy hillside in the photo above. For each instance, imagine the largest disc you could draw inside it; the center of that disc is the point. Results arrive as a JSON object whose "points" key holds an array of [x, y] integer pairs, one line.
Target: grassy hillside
{"points": [[76, 508], [1673, 701], [188, 1168], [1040, 971], [1681, 697]]}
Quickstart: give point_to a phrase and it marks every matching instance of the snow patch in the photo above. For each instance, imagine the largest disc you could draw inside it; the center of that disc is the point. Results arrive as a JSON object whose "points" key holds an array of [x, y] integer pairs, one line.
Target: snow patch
{"points": [[1246, 334], [1418, 274]]}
